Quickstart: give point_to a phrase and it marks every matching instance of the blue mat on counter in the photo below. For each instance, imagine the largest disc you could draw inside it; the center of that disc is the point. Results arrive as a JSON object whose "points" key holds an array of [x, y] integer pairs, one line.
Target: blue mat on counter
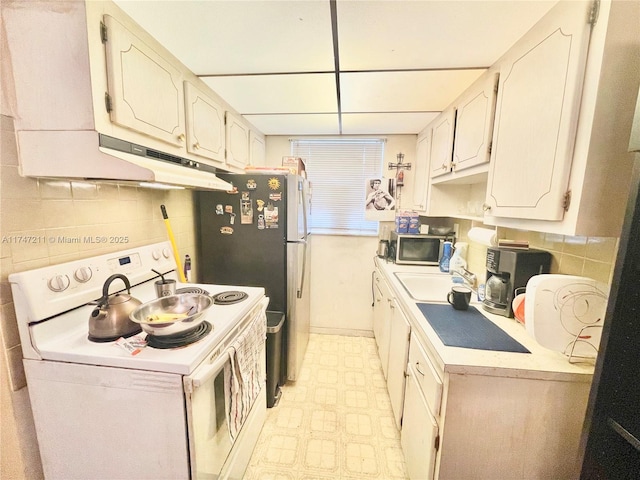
{"points": [[468, 329]]}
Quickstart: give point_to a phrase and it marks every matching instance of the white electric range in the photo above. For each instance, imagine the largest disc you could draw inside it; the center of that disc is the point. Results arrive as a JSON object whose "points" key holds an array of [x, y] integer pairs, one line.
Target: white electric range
{"points": [[85, 395]]}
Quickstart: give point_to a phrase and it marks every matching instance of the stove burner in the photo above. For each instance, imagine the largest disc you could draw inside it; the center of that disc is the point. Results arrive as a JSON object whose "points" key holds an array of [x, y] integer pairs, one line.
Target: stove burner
{"points": [[181, 339], [230, 297], [112, 339], [192, 290]]}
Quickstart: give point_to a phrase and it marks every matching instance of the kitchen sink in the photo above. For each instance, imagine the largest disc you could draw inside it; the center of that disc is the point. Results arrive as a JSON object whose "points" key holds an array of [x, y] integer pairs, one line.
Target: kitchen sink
{"points": [[426, 287]]}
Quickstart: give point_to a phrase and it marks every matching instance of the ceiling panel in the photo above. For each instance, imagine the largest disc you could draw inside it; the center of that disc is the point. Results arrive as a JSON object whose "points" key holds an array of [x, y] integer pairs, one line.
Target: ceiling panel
{"points": [[431, 34], [312, 124], [385, 123], [400, 60], [219, 36], [403, 91], [296, 93]]}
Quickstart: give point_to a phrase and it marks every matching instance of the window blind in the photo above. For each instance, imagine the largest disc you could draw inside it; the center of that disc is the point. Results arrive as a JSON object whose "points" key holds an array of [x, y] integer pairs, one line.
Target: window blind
{"points": [[338, 170]]}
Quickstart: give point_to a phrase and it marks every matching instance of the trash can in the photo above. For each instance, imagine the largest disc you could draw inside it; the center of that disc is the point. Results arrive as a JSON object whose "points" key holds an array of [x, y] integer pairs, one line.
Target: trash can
{"points": [[275, 321]]}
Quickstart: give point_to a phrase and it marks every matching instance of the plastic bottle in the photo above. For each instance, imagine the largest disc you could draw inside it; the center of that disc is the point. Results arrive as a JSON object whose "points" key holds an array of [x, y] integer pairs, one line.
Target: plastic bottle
{"points": [[446, 257], [458, 260]]}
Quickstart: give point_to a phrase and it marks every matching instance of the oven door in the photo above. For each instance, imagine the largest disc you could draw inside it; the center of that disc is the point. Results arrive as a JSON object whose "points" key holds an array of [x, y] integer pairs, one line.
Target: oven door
{"points": [[209, 439], [213, 452]]}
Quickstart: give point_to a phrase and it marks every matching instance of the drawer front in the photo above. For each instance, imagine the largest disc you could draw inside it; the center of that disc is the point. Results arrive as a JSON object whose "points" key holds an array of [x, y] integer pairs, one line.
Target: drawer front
{"points": [[426, 376]]}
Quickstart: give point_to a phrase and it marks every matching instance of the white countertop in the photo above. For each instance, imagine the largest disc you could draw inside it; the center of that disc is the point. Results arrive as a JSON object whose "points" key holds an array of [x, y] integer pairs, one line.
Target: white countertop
{"points": [[541, 363]]}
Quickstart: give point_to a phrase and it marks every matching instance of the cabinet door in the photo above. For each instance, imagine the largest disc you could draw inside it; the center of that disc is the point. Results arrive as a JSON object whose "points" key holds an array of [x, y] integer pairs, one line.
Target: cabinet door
{"points": [[419, 432], [205, 124], [423, 147], [145, 89], [442, 142], [378, 308], [398, 357], [384, 326], [237, 141], [536, 116], [257, 151], [474, 123]]}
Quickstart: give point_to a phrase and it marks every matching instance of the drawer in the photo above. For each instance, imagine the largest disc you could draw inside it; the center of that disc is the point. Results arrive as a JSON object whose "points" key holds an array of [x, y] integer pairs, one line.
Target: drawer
{"points": [[427, 376]]}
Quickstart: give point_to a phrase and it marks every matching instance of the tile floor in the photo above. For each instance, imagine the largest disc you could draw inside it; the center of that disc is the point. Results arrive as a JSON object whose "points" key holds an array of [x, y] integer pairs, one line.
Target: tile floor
{"points": [[335, 422]]}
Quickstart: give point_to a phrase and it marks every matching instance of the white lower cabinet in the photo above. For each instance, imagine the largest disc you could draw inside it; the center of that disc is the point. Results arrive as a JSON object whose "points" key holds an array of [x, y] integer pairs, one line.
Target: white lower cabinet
{"points": [[382, 319], [419, 431], [398, 356]]}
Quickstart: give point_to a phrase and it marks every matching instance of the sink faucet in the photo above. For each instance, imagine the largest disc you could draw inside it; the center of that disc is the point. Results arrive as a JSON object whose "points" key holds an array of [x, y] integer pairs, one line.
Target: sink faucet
{"points": [[469, 277]]}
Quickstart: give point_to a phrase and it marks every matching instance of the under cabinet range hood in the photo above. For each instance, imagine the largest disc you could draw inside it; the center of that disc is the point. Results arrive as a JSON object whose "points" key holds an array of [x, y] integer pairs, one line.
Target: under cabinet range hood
{"points": [[55, 92], [88, 155]]}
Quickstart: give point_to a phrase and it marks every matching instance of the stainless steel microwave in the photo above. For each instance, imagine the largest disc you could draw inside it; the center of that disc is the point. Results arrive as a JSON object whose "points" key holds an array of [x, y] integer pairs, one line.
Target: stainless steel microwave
{"points": [[417, 249]]}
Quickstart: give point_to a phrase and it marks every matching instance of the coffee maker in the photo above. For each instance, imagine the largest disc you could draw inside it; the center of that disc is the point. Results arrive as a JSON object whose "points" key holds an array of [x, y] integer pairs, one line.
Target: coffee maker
{"points": [[508, 269]]}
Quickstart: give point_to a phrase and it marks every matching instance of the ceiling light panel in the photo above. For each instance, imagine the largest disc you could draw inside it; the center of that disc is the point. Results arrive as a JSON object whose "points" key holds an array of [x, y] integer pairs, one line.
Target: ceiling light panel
{"points": [[403, 91], [235, 37], [377, 35], [297, 93], [311, 124], [385, 123]]}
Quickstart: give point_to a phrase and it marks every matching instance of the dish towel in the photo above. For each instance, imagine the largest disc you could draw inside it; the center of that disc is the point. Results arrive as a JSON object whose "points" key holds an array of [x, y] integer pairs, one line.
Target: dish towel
{"points": [[244, 375]]}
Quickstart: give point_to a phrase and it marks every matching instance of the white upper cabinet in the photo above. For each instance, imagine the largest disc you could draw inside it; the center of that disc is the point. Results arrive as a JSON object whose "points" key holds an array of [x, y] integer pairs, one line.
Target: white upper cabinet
{"points": [[474, 123], [145, 90], [205, 124], [442, 142], [257, 149], [237, 135], [420, 179], [537, 114], [560, 162]]}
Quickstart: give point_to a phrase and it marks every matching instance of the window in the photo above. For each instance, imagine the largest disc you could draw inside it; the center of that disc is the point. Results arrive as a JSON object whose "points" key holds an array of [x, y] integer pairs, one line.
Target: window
{"points": [[338, 170]]}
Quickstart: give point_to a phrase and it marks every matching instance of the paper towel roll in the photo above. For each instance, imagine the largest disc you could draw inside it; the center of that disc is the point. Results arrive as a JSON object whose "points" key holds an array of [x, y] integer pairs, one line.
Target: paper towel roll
{"points": [[483, 236]]}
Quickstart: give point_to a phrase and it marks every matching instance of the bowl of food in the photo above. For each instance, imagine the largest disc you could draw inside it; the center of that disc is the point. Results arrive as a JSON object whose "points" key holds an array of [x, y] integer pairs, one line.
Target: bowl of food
{"points": [[440, 230], [172, 314]]}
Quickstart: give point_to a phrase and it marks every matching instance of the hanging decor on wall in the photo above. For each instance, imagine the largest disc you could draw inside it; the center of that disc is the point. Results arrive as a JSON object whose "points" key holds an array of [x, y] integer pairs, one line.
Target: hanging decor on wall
{"points": [[380, 202], [400, 168]]}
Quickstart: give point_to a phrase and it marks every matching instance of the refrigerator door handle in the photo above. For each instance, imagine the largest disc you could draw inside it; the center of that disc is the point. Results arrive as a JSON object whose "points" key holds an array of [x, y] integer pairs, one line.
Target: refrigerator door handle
{"points": [[304, 267], [303, 199]]}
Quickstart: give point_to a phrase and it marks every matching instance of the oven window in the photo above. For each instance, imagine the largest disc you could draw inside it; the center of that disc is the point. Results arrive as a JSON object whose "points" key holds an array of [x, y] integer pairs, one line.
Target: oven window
{"points": [[212, 442], [419, 249]]}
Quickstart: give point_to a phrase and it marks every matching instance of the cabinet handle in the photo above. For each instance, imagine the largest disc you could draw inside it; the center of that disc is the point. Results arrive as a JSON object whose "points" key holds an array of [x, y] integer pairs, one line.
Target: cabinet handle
{"points": [[418, 369], [444, 166], [486, 207], [181, 137], [196, 146]]}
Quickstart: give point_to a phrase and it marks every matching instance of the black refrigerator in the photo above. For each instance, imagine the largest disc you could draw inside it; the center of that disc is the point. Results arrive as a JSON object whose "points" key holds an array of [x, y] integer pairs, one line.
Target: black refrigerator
{"points": [[258, 235]]}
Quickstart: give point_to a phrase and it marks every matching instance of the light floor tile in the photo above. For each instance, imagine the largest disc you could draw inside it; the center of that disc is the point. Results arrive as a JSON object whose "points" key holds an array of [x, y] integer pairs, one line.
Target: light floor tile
{"points": [[335, 422]]}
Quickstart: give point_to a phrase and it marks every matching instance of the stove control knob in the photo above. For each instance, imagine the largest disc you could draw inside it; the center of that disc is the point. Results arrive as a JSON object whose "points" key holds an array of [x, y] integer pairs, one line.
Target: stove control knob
{"points": [[156, 254], [83, 274], [58, 283], [166, 253]]}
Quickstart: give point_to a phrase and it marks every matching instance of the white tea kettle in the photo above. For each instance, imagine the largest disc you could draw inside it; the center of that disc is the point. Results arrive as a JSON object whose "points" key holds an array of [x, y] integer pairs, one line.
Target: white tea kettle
{"points": [[110, 319]]}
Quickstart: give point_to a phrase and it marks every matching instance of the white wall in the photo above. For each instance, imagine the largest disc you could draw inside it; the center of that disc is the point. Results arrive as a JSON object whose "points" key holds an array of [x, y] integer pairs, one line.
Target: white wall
{"points": [[341, 266]]}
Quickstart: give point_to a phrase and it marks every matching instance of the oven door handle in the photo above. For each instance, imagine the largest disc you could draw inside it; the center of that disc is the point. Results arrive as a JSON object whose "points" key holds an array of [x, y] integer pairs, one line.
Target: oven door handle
{"points": [[203, 374]]}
